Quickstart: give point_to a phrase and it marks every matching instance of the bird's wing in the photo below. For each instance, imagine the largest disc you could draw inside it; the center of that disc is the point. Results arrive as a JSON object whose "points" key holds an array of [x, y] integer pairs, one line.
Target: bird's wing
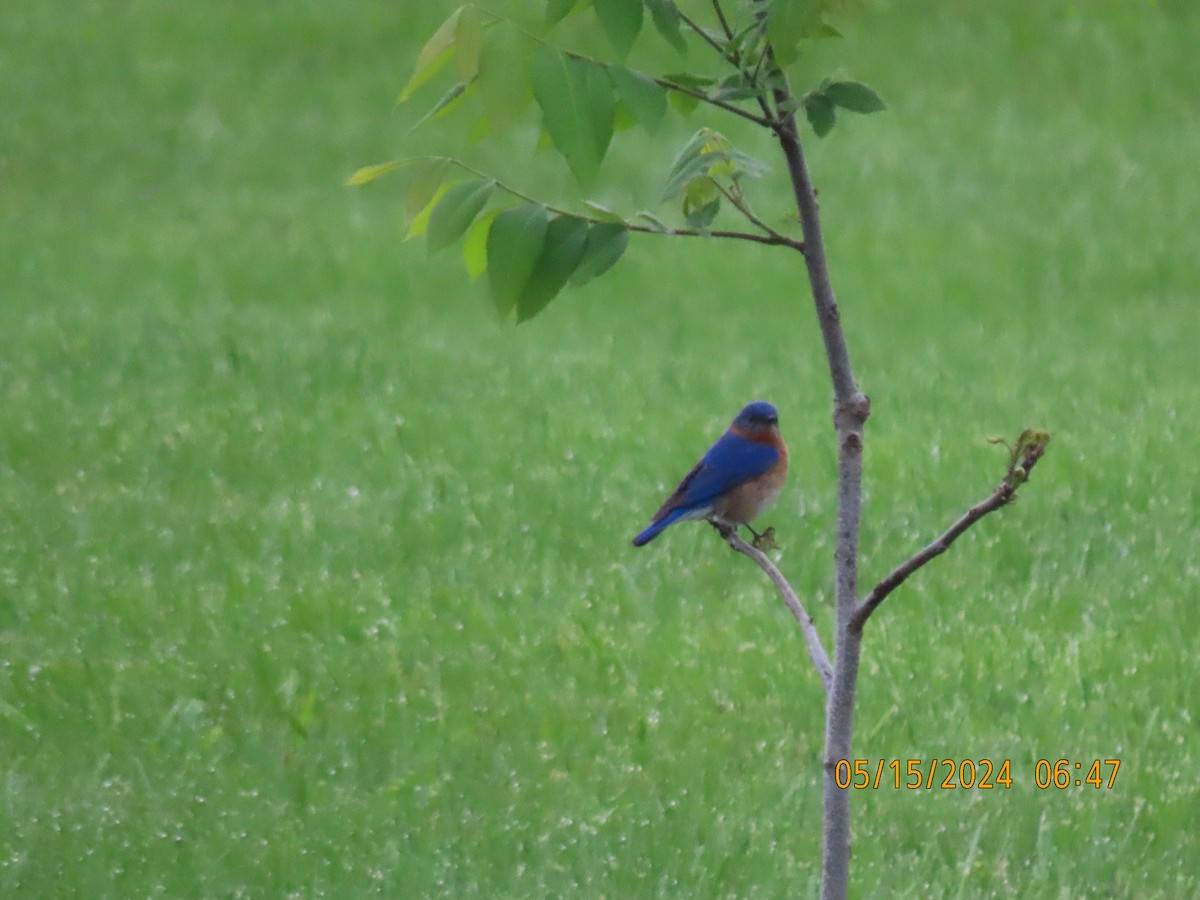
{"points": [[731, 461]]}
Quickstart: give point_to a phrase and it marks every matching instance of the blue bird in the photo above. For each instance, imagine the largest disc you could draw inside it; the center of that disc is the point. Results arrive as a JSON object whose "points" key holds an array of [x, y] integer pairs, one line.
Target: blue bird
{"points": [[739, 476]]}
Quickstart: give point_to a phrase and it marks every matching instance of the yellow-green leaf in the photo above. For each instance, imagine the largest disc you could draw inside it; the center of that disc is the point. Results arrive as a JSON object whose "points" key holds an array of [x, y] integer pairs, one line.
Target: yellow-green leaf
{"points": [[468, 42], [420, 223], [503, 77], [437, 51], [370, 173], [424, 185], [475, 244]]}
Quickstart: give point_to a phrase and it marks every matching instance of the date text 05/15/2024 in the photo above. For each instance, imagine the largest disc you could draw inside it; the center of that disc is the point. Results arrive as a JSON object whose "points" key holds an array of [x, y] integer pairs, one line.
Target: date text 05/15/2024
{"points": [[968, 774]]}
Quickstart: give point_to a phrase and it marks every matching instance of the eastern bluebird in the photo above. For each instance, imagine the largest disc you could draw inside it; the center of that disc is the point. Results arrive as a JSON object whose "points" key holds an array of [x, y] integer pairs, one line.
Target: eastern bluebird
{"points": [[739, 476]]}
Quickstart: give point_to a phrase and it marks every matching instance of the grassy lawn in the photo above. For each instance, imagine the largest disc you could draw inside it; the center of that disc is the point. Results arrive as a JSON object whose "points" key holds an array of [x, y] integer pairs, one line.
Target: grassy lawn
{"points": [[315, 580]]}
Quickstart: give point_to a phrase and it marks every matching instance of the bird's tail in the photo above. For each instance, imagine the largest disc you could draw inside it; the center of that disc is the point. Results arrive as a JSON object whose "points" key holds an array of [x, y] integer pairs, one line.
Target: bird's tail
{"points": [[655, 528], [651, 532]]}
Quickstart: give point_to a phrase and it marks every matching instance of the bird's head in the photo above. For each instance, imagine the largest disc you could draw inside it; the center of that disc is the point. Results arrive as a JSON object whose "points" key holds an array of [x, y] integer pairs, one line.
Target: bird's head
{"points": [[756, 418]]}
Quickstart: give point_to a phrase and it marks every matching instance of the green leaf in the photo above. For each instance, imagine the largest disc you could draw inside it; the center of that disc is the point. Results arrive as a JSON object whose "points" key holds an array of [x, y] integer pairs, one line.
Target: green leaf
{"points": [[645, 100], [790, 21], [622, 119], [602, 212], [691, 80], [468, 42], [684, 104], [606, 241], [820, 112], [683, 173], [475, 244], [420, 223], [742, 48], [701, 203], [561, 253], [503, 77], [369, 173], [690, 157], [854, 96], [457, 210], [449, 102], [577, 104], [666, 19], [655, 222], [556, 10], [514, 243], [737, 87], [433, 57], [702, 217], [621, 21], [708, 154]]}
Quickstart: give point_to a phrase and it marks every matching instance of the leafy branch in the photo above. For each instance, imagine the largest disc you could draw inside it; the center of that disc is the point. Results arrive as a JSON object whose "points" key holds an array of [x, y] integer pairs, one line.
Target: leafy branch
{"points": [[578, 96]]}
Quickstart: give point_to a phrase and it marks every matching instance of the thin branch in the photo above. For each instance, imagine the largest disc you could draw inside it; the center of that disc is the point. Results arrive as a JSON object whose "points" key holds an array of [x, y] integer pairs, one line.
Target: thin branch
{"points": [[772, 238], [701, 33], [738, 201], [1023, 460], [721, 18], [722, 104], [812, 640]]}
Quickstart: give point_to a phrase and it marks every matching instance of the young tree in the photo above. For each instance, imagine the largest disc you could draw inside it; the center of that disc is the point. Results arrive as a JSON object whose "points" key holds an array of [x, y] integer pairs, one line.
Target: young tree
{"points": [[530, 250]]}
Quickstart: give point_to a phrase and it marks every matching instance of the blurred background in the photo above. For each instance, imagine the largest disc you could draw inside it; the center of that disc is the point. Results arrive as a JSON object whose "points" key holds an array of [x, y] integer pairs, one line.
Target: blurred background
{"points": [[315, 577]]}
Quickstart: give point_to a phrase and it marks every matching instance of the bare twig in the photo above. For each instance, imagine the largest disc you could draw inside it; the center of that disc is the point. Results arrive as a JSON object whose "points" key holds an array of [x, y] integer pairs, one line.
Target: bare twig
{"points": [[1030, 447], [812, 640]]}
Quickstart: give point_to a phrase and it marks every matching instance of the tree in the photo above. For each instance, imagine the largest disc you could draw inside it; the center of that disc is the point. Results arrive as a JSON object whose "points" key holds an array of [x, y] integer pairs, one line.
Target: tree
{"points": [[530, 250]]}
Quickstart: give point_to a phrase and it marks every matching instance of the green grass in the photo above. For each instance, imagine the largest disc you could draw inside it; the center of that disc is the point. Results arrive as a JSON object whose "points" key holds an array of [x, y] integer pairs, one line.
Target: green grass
{"points": [[315, 580]]}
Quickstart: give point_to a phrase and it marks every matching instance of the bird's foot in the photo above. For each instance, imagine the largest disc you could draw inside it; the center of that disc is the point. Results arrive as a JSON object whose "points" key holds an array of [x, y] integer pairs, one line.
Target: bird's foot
{"points": [[722, 529], [766, 540]]}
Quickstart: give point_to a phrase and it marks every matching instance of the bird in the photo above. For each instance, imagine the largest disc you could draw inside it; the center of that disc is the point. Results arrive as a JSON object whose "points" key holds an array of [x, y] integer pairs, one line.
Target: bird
{"points": [[739, 476]]}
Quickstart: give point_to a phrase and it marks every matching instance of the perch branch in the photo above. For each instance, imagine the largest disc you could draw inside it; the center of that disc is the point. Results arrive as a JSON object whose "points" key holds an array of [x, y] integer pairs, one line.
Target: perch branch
{"points": [[812, 640]]}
